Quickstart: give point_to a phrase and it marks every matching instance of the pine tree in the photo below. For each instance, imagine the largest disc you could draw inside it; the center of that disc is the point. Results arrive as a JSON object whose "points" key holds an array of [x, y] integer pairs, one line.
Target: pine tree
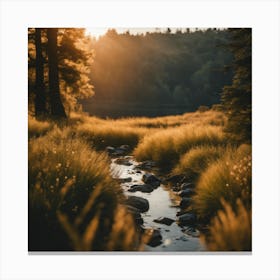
{"points": [[40, 94], [75, 54], [237, 98], [58, 76], [57, 108]]}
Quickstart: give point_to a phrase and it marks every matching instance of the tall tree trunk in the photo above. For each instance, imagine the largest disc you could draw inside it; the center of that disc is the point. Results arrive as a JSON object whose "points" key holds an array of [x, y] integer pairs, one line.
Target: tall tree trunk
{"points": [[40, 94], [57, 108]]}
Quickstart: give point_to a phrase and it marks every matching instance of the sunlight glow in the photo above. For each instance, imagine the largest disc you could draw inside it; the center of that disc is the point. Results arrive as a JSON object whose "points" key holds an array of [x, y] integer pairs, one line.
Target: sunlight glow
{"points": [[99, 31], [96, 32]]}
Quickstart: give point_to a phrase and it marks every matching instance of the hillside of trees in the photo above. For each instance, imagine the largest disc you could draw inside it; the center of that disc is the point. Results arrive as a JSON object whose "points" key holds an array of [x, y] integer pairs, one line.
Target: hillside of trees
{"points": [[159, 73]]}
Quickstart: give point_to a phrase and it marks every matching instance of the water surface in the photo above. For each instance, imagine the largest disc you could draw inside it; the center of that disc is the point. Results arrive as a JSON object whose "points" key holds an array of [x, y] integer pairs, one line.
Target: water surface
{"points": [[163, 203]]}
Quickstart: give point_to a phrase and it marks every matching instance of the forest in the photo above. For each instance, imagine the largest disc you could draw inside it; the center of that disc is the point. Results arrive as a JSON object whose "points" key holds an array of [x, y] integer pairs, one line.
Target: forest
{"points": [[158, 73], [140, 141]]}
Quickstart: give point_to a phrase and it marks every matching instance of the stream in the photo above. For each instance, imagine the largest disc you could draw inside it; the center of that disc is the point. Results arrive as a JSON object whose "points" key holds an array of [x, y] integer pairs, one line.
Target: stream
{"points": [[163, 202]]}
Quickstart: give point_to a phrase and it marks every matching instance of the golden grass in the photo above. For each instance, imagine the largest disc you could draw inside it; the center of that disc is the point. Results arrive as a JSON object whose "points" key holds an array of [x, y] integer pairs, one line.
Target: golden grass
{"points": [[71, 182], [166, 146], [228, 178], [206, 118], [37, 128], [114, 132], [70, 188], [231, 230], [110, 134], [210, 117], [198, 159], [159, 122], [57, 157]]}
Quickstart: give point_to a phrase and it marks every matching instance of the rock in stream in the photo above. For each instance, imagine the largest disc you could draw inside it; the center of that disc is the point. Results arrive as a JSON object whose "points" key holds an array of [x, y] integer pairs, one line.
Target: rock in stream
{"points": [[164, 220], [140, 203], [145, 188], [151, 179], [155, 207]]}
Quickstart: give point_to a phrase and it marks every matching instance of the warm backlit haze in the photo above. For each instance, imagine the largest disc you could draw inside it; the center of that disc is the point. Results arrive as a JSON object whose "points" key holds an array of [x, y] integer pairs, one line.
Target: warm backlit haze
{"points": [[138, 139], [96, 32], [99, 31], [177, 71]]}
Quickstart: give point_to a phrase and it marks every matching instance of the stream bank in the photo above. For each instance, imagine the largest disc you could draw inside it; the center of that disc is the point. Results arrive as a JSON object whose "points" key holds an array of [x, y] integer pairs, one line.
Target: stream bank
{"points": [[160, 214]]}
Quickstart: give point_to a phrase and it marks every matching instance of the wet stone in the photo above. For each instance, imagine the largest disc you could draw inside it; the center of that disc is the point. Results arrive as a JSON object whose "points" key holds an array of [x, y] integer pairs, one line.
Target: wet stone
{"points": [[124, 147], [191, 231], [186, 192], [123, 161], [155, 237], [151, 179], [140, 203], [164, 220], [110, 149], [146, 188], [138, 207], [187, 219], [185, 202], [146, 165], [118, 153]]}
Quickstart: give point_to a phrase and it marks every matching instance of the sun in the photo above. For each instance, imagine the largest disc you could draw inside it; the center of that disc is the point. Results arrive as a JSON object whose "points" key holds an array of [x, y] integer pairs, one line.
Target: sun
{"points": [[96, 31]]}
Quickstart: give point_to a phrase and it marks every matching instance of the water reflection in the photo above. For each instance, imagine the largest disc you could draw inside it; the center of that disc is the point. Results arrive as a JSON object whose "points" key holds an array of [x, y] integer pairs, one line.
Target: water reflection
{"points": [[163, 203]]}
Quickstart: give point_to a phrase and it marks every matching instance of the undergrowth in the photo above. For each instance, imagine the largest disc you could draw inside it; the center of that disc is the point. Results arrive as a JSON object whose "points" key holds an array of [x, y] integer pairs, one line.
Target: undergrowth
{"points": [[74, 204], [231, 230], [197, 159], [166, 146], [229, 178]]}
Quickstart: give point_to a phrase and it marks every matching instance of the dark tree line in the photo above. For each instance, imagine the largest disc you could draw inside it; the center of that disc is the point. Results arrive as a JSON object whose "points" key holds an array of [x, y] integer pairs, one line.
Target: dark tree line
{"points": [[58, 61], [181, 70], [237, 97]]}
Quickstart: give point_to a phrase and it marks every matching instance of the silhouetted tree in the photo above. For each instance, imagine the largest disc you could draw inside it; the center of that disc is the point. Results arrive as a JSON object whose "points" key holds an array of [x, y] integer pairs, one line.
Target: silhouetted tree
{"points": [[74, 57], [40, 94], [57, 108], [237, 98]]}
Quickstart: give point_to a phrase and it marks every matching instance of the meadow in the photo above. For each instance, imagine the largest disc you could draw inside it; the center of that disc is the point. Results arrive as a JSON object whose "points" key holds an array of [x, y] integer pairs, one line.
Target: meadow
{"points": [[77, 205]]}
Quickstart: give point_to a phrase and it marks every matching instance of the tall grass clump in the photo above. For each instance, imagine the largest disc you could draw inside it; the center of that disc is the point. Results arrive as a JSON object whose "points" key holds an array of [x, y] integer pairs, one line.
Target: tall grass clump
{"points": [[231, 230], [38, 128], [165, 147], [198, 159], [159, 122], [73, 201], [110, 134], [211, 117], [229, 178]]}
